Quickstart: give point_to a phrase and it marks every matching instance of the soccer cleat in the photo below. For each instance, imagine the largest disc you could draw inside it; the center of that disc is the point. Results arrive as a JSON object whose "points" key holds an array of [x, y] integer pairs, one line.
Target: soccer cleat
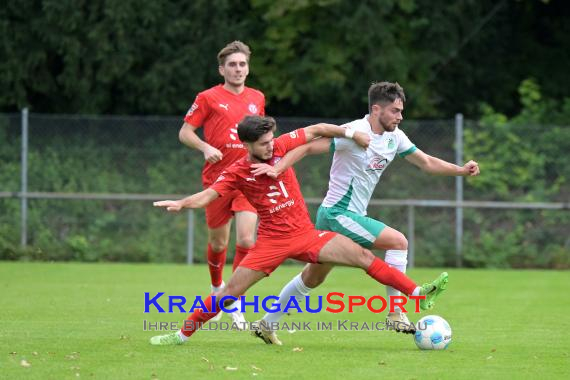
{"points": [[259, 329], [166, 340], [399, 322], [432, 291]]}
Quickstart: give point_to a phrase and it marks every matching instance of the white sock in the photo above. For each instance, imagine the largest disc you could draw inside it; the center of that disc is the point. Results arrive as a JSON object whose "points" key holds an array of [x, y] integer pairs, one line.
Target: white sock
{"points": [[182, 336], [397, 259], [237, 305], [218, 288], [295, 288]]}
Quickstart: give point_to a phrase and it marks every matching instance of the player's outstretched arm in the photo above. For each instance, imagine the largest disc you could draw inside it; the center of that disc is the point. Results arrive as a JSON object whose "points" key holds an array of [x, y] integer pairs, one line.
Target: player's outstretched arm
{"points": [[436, 166], [188, 137], [197, 200], [317, 146], [331, 130]]}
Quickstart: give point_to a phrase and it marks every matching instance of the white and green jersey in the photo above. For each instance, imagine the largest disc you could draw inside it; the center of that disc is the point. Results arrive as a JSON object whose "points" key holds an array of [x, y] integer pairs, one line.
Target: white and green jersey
{"points": [[356, 171]]}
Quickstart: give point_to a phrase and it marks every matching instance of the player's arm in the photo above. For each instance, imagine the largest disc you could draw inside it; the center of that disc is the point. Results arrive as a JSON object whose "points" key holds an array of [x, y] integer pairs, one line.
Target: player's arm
{"points": [[330, 130], [317, 146], [436, 166], [188, 137], [197, 200]]}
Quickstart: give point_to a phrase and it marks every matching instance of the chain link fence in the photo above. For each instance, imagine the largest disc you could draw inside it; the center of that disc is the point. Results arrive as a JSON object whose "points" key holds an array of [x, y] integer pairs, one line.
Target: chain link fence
{"points": [[115, 166]]}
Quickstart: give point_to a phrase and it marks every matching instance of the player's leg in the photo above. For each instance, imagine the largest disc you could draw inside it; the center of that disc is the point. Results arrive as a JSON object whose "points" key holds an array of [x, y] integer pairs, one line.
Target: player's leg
{"points": [[342, 251], [246, 224], [396, 246], [241, 280], [372, 234], [218, 239], [300, 286], [218, 220]]}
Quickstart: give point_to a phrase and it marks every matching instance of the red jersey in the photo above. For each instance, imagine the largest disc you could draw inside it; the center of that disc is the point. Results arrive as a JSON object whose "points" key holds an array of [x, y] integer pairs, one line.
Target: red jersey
{"points": [[219, 111], [279, 202]]}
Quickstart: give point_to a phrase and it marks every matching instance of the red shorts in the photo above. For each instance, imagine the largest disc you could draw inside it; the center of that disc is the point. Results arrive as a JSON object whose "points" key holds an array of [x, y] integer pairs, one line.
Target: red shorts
{"points": [[221, 210], [269, 252]]}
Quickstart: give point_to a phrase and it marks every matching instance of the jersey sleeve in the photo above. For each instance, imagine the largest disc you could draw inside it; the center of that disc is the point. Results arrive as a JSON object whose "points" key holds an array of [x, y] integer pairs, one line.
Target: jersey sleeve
{"points": [[262, 110], [290, 141], [405, 146], [342, 143], [225, 183], [199, 111]]}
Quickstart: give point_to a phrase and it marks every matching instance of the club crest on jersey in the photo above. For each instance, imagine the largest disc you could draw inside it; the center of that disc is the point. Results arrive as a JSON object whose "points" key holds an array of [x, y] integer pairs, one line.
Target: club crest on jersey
{"points": [[377, 163], [252, 108], [391, 143], [192, 109], [274, 160]]}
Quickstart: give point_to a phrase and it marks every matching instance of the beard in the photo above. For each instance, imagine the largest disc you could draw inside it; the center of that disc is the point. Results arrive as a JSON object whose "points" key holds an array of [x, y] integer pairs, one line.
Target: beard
{"points": [[261, 159]]}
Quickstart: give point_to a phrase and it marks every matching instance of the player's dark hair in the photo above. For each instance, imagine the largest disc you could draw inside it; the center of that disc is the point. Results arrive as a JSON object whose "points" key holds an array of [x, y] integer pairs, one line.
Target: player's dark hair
{"points": [[252, 127], [231, 48], [383, 93]]}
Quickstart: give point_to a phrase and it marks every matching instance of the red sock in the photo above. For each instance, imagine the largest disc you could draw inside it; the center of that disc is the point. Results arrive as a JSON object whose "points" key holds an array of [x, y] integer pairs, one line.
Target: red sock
{"points": [[385, 274], [216, 261], [195, 321], [241, 252]]}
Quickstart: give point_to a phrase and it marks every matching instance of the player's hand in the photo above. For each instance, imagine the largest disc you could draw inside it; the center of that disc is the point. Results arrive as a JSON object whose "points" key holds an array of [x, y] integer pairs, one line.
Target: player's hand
{"points": [[212, 155], [471, 168], [172, 206], [362, 139], [268, 170]]}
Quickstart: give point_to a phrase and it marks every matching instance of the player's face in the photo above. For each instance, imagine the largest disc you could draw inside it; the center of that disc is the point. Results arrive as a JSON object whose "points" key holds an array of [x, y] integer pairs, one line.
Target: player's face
{"points": [[390, 115], [262, 149], [235, 69]]}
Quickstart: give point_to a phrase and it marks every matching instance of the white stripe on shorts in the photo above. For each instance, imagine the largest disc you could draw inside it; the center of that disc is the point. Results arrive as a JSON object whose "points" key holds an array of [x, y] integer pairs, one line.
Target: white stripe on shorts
{"points": [[355, 228]]}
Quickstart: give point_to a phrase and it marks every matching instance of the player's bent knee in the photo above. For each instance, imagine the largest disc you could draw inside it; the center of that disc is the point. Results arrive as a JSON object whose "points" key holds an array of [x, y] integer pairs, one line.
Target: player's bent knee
{"points": [[218, 245], [366, 258], [400, 242], [245, 241]]}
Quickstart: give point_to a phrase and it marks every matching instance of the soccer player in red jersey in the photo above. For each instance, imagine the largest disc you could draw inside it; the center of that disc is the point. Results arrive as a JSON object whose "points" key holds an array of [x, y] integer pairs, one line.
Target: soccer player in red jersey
{"points": [[219, 110], [285, 230]]}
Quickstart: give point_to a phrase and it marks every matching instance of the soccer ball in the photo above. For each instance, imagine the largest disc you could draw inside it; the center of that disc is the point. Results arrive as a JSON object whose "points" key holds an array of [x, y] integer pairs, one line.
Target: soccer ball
{"points": [[432, 333]]}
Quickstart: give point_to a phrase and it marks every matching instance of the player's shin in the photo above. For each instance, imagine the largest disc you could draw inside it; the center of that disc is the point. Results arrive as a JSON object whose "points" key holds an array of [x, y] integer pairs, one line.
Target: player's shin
{"points": [[385, 274], [397, 259], [295, 288], [241, 253], [197, 319]]}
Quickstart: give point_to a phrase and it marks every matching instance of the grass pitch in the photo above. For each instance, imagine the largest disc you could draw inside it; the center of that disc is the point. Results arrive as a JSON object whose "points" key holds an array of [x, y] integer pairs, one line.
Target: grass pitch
{"points": [[69, 321]]}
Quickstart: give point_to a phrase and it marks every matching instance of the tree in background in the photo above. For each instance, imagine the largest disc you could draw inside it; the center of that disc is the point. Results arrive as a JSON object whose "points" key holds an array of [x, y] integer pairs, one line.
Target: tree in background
{"points": [[312, 57]]}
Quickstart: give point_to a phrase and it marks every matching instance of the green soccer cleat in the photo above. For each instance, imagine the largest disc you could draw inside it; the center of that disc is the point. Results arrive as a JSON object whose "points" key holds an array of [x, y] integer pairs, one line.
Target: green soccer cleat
{"points": [[432, 291], [166, 340]]}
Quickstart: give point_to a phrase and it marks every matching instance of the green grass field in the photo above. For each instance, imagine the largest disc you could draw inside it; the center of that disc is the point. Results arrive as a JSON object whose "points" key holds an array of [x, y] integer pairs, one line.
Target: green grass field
{"points": [[64, 321]]}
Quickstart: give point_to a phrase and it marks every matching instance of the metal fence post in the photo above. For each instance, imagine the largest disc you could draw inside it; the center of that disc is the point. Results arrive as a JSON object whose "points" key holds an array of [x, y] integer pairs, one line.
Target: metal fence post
{"points": [[459, 191], [411, 236], [190, 247], [24, 181]]}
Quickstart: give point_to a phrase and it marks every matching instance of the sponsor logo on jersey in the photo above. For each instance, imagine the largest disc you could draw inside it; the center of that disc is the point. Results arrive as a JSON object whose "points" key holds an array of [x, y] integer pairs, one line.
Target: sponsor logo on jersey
{"points": [[252, 108], [192, 109], [224, 106], [378, 163], [233, 133]]}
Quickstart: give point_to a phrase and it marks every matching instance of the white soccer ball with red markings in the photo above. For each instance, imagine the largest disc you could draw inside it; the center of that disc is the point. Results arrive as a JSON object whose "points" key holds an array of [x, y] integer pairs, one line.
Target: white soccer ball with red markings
{"points": [[432, 333]]}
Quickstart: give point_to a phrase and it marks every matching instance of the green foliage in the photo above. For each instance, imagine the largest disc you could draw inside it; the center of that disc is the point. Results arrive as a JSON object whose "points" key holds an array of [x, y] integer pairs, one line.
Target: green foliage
{"points": [[310, 57], [522, 159]]}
